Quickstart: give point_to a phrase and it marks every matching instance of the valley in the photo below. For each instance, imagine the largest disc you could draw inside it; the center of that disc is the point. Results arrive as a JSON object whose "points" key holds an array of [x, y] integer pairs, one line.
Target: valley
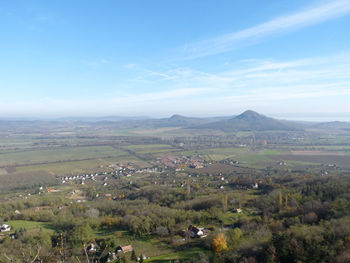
{"points": [[106, 185]]}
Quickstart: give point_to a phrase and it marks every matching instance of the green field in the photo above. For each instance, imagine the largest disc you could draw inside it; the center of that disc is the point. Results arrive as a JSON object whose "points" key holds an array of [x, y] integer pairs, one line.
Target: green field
{"points": [[30, 225], [184, 254], [145, 148], [57, 155], [74, 167]]}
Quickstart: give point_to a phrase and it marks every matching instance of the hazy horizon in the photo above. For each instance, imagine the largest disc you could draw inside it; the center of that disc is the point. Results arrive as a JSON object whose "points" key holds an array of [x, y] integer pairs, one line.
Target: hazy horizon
{"points": [[316, 117]]}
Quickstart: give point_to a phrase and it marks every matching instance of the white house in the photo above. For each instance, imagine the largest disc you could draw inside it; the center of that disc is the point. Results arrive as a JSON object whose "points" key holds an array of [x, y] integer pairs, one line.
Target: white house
{"points": [[5, 228]]}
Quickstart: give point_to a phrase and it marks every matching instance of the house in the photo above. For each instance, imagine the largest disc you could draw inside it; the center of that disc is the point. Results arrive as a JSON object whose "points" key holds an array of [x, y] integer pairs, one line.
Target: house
{"points": [[92, 248], [124, 249], [195, 231], [255, 186], [5, 228], [239, 210]]}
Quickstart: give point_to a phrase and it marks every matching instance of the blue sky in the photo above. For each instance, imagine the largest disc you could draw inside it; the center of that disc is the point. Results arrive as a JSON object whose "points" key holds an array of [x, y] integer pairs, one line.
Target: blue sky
{"points": [[289, 59]]}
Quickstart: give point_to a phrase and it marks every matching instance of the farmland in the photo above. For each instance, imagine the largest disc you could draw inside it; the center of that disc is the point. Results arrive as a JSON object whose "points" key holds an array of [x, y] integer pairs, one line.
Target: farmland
{"points": [[71, 187]]}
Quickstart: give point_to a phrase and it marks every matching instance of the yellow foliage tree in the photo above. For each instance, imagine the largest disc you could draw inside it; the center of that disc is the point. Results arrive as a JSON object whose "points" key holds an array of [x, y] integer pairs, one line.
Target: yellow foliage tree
{"points": [[219, 243]]}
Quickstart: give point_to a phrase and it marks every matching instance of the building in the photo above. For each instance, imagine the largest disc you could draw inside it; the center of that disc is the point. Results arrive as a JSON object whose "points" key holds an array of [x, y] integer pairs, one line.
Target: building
{"points": [[5, 228], [124, 249], [196, 231], [92, 248], [239, 210]]}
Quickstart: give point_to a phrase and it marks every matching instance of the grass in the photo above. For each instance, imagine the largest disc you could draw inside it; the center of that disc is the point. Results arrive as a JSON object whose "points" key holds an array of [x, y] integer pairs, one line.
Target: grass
{"points": [[149, 245], [184, 254], [128, 158], [58, 154], [144, 148], [216, 154], [30, 225], [26, 180], [74, 167], [110, 232], [271, 152], [77, 167], [226, 151], [253, 158], [300, 163]]}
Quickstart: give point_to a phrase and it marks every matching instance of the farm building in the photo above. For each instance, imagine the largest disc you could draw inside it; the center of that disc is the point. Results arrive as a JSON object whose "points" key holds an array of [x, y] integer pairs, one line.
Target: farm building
{"points": [[124, 249]]}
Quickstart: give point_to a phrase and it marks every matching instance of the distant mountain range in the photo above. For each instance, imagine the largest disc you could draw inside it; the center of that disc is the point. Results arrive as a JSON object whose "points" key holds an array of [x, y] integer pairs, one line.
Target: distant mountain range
{"points": [[338, 125], [247, 121], [179, 121]]}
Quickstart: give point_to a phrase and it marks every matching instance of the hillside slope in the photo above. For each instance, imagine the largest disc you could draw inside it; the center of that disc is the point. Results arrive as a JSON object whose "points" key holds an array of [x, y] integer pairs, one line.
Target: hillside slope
{"points": [[249, 121]]}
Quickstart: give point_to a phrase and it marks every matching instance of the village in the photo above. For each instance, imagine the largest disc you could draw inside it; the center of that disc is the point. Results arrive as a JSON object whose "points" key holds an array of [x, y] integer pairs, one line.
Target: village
{"points": [[155, 201], [118, 182], [180, 162]]}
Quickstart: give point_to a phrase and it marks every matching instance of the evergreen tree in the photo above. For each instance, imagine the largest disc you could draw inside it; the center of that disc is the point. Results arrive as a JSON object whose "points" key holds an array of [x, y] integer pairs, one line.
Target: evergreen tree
{"points": [[133, 256]]}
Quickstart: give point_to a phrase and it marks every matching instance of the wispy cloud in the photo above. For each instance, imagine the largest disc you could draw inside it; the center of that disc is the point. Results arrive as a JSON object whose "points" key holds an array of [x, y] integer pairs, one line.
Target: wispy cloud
{"points": [[258, 82], [311, 16], [265, 85]]}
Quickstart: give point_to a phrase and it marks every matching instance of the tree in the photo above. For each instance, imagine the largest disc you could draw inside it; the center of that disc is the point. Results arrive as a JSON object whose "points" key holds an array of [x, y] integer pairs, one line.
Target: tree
{"points": [[233, 236], [310, 218], [162, 231], [133, 256], [92, 212], [219, 243], [82, 234]]}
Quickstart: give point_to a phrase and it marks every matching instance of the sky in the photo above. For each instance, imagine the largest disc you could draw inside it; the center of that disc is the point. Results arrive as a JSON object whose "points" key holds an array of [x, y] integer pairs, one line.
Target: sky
{"points": [[287, 59]]}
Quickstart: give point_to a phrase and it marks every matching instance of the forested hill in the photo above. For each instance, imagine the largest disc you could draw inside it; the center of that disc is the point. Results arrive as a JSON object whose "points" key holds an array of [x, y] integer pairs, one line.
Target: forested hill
{"points": [[250, 121]]}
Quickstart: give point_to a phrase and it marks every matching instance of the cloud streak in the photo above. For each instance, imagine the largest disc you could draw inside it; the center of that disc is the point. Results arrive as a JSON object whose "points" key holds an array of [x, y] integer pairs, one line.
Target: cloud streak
{"points": [[311, 16], [264, 85]]}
